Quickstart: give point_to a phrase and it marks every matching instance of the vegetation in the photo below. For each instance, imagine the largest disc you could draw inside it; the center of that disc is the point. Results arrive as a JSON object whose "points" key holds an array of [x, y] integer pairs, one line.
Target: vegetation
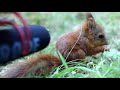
{"points": [[103, 65]]}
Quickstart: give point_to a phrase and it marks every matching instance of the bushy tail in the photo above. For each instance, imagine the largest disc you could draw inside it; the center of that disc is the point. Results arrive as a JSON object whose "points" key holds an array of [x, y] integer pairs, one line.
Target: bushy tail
{"points": [[38, 65]]}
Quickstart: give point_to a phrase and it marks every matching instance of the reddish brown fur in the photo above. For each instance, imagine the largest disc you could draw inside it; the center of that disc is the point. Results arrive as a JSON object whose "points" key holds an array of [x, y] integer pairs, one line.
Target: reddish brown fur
{"points": [[36, 66], [87, 42]]}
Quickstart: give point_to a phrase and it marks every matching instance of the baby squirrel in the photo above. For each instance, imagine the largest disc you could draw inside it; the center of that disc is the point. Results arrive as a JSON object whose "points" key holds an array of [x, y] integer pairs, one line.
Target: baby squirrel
{"points": [[88, 39]]}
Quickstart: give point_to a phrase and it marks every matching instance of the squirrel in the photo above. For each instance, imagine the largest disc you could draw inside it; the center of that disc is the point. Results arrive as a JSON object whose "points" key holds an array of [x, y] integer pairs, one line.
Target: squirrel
{"points": [[88, 39]]}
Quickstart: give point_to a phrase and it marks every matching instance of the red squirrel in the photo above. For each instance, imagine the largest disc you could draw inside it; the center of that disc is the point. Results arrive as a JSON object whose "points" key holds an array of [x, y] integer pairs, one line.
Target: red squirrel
{"points": [[88, 39]]}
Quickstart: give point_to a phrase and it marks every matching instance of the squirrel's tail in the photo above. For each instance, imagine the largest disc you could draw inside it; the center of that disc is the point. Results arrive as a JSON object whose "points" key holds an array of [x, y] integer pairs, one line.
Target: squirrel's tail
{"points": [[38, 65]]}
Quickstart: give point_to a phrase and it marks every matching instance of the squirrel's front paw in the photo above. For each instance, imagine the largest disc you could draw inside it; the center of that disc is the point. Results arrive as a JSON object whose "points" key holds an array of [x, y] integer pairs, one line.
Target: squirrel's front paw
{"points": [[106, 47]]}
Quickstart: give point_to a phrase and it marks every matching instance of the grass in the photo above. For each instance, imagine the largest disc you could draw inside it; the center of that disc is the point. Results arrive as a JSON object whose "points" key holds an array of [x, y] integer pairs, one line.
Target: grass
{"points": [[103, 65]]}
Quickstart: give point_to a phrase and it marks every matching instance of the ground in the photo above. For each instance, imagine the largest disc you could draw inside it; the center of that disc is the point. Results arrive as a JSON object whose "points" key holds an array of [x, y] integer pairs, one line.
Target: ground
{"points": [[104, 65]]}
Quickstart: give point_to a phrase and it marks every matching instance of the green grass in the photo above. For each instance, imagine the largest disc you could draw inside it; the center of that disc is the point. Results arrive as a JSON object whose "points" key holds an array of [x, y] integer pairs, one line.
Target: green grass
{"points": [[103, 65]]}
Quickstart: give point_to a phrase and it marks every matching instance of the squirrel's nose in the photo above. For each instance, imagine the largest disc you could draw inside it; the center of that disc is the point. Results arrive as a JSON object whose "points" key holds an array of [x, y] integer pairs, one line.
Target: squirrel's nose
{"points": [[106, 42]]}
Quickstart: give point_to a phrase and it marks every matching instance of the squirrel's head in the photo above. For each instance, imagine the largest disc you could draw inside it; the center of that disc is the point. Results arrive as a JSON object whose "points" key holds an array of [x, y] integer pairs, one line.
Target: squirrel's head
{"points": [[93, 31]]}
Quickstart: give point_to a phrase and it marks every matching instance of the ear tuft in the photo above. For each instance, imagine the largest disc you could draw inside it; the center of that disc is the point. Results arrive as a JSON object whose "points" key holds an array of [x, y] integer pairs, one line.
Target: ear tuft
{"points": [[90, 20], [89, 15]]}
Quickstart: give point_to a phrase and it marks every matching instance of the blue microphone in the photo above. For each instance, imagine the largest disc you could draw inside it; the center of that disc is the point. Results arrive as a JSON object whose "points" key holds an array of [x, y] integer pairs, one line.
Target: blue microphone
{"points": [[10, 42]]}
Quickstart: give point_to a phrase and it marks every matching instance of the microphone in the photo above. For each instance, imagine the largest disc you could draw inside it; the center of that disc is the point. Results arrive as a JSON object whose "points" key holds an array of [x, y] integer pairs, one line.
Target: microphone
{"points": [[11, 45]]}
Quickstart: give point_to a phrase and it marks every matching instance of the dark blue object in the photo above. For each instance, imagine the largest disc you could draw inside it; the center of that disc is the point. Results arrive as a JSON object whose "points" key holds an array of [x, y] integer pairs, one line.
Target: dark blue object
{"points": [[10, 43]]}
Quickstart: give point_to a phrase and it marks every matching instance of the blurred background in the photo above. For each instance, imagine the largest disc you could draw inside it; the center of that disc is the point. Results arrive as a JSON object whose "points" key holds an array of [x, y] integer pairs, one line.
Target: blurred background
{"points": [[61, 22]]}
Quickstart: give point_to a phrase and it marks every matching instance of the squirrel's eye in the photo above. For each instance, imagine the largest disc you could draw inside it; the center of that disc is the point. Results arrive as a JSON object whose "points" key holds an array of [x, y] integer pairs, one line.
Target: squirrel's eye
{"points": [[100, 36], [78, 44]]}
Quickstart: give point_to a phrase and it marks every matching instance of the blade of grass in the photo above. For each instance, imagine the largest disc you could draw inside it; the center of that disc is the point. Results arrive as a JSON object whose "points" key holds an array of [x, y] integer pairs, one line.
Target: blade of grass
{"points": [[70, 69], [63, 72], [62, 59]]}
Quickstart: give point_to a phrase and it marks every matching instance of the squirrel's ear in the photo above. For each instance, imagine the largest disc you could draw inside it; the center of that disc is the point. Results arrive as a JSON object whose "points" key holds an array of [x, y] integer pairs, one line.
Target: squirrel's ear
{"points": [[90, 20]]}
